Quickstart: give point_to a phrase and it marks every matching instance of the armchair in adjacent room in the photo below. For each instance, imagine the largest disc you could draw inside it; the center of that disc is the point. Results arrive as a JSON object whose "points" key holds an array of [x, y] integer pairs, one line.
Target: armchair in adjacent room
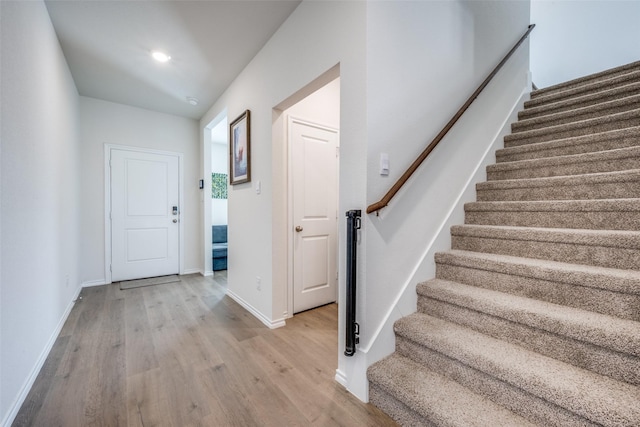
{"points": [[219, 247]]}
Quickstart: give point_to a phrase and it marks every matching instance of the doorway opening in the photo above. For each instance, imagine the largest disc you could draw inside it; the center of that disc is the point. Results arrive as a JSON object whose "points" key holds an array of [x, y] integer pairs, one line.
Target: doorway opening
{"points": [[214, 197], [306, 250]]}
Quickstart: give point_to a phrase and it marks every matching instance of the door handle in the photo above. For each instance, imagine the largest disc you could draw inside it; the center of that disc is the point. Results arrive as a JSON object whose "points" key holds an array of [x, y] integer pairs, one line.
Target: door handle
{"points": [[298, 228], [175, 220]]}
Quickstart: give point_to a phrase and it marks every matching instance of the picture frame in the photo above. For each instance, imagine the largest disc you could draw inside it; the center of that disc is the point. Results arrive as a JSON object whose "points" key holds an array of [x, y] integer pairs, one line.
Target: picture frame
{"points": [[240, 149]]}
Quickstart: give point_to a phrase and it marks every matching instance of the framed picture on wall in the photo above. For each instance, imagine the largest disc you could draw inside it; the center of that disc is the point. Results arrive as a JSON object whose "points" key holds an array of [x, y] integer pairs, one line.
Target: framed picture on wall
{"points": [[240, 149]]}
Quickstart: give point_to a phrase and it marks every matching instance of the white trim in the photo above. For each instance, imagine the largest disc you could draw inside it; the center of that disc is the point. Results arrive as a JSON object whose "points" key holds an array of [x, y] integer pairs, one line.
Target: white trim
{"points": [[91, 283], [107, 202], [207, 273], [26, 387], [191, 271], [271, 324], [341, 378]]}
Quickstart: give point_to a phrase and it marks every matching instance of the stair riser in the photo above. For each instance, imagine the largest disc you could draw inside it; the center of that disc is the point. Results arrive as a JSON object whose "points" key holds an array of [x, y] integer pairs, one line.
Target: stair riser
{"points": [[400, 412], [573, 130], [584, 355], [622, 305], [612, 81], [609, 190], [566, 117], [533, 408], [580, 102], [592, 164], [585, 144], [566, 219], [575, 153], [601, 256]]}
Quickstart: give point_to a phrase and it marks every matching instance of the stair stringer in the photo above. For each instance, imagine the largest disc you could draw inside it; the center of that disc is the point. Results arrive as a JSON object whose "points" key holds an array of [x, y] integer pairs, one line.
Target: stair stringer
{"points": [[383, 340]]}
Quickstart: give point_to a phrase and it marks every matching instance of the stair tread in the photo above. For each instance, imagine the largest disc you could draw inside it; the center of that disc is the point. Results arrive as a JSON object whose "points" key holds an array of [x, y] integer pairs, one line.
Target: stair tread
{"points": [[535, 111], [563, 180], [592, 205], [599, 329], [627, 101], [437, 397], [551, 313], [630, 133], [596, 397], [613, 279], [611, 238], [625, 68], [575, 87], [587, 123], [595, 156]]}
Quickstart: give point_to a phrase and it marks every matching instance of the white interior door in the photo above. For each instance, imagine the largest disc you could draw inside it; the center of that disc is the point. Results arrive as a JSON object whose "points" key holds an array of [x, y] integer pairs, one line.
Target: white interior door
{"points": [[145, 230], [314, 165]]}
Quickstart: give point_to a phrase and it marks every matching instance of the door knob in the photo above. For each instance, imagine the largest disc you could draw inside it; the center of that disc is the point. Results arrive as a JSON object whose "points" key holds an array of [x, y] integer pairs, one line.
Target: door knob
{"points": [[175, 220], [298, 228]]}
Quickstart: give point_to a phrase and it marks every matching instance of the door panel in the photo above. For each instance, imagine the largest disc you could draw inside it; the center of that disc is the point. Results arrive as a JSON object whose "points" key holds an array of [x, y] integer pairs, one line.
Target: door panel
{"points": [[144, 230], [314, 186], [315, 255]]}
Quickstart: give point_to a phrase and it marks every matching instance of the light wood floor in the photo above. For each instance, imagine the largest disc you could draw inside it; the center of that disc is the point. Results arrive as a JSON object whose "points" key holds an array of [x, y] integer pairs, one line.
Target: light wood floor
{"points": [[184, 354]]}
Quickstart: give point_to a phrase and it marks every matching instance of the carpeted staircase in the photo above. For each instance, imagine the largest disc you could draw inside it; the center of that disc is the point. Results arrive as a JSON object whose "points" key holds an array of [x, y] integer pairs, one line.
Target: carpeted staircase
{"points": [[534, 315]]}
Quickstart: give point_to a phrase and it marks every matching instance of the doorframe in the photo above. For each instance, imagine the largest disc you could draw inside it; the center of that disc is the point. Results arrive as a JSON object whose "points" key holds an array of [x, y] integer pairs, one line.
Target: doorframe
{"points": [[107, 202], [290, 222]]}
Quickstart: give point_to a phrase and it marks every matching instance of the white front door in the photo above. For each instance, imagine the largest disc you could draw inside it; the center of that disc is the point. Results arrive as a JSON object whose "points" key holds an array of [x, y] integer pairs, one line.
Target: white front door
{"points": [[145, 215], [314, 164]]}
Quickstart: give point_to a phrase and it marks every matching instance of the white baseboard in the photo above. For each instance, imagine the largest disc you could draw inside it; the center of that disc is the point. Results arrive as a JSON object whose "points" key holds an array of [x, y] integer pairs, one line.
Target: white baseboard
{"points": [[91, 283], [24, 391], [191, 271], [269, 323], [341, 378]]}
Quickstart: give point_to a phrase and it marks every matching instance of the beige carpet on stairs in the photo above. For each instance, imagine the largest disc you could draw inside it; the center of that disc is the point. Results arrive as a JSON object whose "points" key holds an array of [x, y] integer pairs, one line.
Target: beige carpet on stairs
{"points": [[533, 317]]}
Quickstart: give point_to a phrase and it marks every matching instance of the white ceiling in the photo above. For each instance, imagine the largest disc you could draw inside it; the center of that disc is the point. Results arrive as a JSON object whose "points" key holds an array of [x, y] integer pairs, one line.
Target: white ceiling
{"points": [[108, 43]]}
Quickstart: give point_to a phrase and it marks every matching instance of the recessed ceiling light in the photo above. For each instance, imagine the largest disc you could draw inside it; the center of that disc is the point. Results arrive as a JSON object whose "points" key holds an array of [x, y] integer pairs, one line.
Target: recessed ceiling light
{"points": [[160, 56], [191, 100]]}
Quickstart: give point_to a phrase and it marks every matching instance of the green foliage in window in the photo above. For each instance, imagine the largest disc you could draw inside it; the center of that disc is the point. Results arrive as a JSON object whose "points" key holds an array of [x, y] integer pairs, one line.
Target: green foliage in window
{"points": [[218, 185]]}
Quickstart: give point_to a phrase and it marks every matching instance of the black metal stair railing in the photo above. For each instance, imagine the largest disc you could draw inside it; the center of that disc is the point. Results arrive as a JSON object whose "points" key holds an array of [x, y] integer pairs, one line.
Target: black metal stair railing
{"points": [[352, 327]]}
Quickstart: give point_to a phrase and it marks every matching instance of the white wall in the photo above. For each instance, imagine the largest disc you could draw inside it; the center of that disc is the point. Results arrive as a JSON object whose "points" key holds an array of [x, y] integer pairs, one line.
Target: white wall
{"points": [[316, 37], [320, 107], [448, 48], [40, 200], [405, 68], [576, 38], [219, 164], [103, 122]]}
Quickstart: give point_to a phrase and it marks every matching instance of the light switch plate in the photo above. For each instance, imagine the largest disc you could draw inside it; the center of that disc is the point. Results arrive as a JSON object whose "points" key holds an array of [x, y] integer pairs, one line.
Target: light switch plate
{"points": [[384, 164]]}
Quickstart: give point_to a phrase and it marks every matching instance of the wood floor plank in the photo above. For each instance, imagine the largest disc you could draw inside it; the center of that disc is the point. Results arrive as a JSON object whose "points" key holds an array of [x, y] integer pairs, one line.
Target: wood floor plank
{"points": [[65, 400], [147, 403], [105, 398], [233, 405], [303, 393], [185, 354], [139, 349], [43, 384], [271, 405]]}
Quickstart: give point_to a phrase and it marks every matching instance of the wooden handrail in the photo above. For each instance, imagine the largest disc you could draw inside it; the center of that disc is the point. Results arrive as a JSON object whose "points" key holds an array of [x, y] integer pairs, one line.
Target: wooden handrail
{"points": [[417, 162]]}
